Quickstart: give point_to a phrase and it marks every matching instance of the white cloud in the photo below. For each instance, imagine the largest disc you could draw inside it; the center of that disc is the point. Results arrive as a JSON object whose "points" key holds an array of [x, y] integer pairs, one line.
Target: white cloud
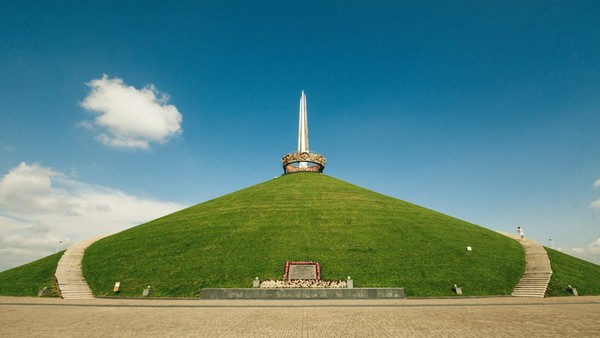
{"points": [[20, 241], [597, 184], [130, 117], [28, 189], [590, 252], [40, 207]]}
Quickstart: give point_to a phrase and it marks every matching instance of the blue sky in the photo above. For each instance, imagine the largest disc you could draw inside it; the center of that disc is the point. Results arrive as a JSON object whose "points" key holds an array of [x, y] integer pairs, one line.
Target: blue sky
{"points": [[114, 113]]}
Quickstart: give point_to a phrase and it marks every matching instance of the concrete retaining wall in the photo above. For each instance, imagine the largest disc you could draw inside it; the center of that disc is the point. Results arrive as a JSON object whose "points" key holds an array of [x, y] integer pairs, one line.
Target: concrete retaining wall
{"points": [[303, 293]]}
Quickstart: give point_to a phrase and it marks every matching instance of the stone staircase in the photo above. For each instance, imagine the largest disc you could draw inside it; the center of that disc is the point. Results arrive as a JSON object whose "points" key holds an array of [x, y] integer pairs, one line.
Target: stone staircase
{"points": [[70, 279], [537, 269]]}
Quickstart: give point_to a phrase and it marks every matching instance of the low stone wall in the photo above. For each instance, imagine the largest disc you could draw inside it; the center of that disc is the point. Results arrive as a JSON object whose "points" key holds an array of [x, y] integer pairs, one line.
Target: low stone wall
{"points": [[303, 293]]}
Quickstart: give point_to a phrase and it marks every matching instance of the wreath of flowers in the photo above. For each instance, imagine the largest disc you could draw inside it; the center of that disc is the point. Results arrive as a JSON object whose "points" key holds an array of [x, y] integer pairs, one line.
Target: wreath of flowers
{"points": [[304, 283]]}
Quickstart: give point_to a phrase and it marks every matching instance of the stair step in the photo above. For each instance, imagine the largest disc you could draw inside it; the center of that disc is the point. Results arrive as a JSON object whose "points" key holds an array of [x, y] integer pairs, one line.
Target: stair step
{"points": [[71, 283], [538, 270]]}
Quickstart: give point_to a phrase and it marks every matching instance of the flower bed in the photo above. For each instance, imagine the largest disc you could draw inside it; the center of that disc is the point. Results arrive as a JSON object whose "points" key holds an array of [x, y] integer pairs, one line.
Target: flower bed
{"points": [[304, 283]]}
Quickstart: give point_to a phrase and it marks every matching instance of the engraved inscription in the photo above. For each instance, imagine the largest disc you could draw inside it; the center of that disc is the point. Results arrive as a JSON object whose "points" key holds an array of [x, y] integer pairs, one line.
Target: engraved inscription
{"points": [[303, 272]]}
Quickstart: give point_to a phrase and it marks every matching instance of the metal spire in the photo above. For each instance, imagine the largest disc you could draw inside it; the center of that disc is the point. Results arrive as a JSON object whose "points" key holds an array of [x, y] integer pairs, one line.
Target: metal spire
{"points": [[303, 129], [303, 159]]}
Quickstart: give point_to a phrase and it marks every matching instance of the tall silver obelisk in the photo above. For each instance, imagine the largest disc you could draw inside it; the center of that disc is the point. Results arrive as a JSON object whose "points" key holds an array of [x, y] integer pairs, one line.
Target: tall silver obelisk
{"points": [[303, 159], [303, 130]]}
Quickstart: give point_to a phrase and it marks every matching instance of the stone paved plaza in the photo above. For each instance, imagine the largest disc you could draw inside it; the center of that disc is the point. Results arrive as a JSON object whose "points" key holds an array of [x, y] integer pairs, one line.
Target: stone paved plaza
{"points": [[459, 317]]}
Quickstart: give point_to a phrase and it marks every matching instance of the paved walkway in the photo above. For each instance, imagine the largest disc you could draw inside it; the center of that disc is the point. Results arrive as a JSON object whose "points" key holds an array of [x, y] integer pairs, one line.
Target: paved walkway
{"points": [[537, 269], [70, 279], [452, 317]]}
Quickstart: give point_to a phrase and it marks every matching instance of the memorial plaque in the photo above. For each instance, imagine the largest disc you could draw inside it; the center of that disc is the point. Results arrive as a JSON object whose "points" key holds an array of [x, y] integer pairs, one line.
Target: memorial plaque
{"points": [[302, 270]]}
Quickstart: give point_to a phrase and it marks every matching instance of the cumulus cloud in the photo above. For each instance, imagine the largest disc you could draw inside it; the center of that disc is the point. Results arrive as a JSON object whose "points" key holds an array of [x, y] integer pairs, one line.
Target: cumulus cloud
{"points": [[40, 207], [590, 252], [127, 117], [597, 184], [29, 189]]}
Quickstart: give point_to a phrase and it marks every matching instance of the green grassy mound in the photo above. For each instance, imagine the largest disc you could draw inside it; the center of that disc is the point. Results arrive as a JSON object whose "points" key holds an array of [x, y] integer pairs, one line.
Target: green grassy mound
{"points": [[29, 279], [568, 270], [378, 240]]}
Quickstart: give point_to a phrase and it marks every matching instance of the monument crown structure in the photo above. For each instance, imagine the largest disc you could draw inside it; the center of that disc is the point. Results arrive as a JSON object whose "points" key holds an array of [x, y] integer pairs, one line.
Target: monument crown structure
{"points": [[303, 159]]}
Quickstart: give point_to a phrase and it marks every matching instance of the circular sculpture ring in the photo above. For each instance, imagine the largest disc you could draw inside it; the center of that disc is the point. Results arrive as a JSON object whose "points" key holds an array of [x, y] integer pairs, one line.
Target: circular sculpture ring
{"points": [[289, 160]]}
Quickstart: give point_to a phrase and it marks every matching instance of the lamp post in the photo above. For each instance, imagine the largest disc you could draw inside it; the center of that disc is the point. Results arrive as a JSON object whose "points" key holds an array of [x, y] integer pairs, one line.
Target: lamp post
{"points": [[58, 246]]}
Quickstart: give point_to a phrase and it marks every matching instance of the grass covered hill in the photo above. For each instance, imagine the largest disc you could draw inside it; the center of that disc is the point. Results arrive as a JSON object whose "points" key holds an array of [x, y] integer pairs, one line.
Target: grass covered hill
{"points": [[568, 270], [378, 240], [29, 279]]}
